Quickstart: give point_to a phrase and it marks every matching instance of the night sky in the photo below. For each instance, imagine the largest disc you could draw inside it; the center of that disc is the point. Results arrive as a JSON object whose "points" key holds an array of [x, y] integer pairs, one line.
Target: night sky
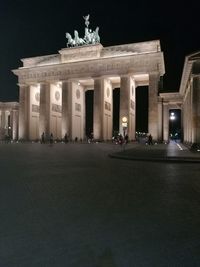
{"points": [[34, 28]]}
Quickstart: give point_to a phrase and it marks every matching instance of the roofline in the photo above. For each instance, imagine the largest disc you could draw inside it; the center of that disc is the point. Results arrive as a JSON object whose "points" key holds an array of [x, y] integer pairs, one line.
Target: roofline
{"points": [[187, 71], [185, 74], [112, 46]]}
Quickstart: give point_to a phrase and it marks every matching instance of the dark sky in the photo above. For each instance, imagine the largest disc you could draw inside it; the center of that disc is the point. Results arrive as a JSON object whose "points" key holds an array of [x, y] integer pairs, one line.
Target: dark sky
{"points": [[34, 28]]}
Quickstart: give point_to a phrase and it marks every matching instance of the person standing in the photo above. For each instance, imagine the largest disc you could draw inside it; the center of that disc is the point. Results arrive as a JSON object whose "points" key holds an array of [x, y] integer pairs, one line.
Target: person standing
{"points": [[126, 139], [150, 140], [66, 138], [51, 139], [42, 138]]}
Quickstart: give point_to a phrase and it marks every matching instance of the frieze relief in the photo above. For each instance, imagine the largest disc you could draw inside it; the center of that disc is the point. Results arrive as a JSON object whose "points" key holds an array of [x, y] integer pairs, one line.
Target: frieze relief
{"points": [[35, 108], [79, 56], [78, 107], [57, 108], [107, 106], [132, 104]]}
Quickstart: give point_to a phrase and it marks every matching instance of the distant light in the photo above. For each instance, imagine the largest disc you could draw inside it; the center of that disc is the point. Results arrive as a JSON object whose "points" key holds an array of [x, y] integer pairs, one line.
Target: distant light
{"points": [[172, 116], [79, 83]]}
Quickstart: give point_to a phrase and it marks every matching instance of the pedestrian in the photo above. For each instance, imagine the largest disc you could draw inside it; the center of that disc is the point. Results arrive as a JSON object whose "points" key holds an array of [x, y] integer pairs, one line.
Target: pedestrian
{"points": [[126, 139], [120, 139], [42, 138], [150, 140], [51, 139], [66, 138]]}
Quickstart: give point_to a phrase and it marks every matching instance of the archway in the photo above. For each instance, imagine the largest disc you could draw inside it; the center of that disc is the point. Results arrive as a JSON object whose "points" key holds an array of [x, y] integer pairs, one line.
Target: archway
{"points": [[116, 102], [175, 129], [89, 107], [142, 109]]}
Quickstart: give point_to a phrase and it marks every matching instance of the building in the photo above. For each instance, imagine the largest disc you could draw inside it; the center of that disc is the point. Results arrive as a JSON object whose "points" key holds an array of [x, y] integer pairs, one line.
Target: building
{"points": [[187, 100], [9, 120], [52, 92], [52, 89], [190, 91]]}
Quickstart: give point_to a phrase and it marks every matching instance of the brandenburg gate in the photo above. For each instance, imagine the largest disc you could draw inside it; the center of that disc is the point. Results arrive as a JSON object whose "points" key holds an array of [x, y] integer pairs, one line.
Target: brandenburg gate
{"points": [[52, 88]]}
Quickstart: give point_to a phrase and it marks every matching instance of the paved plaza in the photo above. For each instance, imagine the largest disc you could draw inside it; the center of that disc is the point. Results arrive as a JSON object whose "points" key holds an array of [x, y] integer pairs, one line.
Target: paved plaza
{"points": [[74, 205]]}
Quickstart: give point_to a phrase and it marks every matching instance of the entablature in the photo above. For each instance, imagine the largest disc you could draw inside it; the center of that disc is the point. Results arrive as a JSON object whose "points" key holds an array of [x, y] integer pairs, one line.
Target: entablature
{"points": [[97, 67]]}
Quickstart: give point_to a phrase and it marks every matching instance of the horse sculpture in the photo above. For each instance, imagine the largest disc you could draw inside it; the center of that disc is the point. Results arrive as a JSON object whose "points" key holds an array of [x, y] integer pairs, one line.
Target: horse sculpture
{"points": [[97, 37], [91, 37], [78, 41], [70, 40]]}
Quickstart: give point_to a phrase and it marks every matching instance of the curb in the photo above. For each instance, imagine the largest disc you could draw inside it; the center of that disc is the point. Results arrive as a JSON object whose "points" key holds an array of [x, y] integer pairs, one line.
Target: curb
{"points": [[164, 159]]}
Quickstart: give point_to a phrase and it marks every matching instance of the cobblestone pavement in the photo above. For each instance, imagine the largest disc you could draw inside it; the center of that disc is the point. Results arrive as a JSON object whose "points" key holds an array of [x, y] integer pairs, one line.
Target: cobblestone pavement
{"points": [[72, 205]]}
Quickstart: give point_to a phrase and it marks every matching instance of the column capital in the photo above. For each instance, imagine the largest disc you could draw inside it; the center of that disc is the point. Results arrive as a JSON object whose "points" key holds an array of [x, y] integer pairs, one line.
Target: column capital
{"points": [[154, 74], [44, 82], [96, 78], [125, 75], [21, 85], [64, 80]]}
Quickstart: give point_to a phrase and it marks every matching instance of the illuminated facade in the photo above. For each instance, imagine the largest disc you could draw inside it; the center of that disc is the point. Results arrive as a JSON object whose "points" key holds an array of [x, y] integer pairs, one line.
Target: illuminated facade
{"points": [[190, 92], [52, 89], [9, 120]]}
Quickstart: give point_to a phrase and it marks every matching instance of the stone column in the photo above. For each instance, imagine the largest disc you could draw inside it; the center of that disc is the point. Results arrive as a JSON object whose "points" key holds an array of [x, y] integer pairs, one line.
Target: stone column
{"points": [[196, 110], [182, 124], [103, 95], [184, 114], [84, 115], [160, 120], [44, 117], [165, 122], [98, 109], [186, 119], [66, 108], [188, 115], [2, 129], [23, 111], [3, 119], [153, 105], [127, 105], [14, 124]]}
